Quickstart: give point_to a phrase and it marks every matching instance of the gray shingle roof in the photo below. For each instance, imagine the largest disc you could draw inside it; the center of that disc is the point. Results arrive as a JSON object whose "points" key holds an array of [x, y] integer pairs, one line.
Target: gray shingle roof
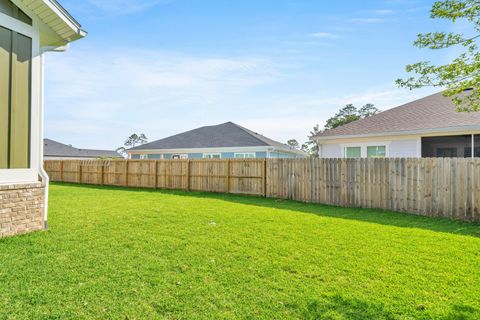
{"points": [[56, 149], [223, 135], [426, 114]]}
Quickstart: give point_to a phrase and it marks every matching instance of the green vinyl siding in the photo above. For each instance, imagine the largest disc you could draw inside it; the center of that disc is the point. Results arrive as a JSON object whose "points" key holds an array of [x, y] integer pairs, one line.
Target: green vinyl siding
{"points": [[376, 152], [20, 102], [353, 152], [15, 96], [5, 50]]}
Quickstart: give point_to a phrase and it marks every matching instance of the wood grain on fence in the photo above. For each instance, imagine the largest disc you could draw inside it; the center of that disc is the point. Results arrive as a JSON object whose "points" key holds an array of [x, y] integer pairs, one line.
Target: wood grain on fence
{"points": [[431, 187], [239, 176]]}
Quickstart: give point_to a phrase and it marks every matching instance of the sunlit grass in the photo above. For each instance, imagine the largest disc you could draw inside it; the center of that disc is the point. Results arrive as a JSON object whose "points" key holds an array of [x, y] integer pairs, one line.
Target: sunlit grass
{"points": [[115, 253]]}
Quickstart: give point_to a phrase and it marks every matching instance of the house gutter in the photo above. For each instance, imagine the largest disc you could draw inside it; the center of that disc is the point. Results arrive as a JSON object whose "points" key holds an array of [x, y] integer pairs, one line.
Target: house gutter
{"points": [[400, 133]]}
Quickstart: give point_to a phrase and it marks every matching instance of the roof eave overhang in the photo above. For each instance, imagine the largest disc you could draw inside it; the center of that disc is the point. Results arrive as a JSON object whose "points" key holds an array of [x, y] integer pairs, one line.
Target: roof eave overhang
{"points": [[59, 27], [399, 133]]}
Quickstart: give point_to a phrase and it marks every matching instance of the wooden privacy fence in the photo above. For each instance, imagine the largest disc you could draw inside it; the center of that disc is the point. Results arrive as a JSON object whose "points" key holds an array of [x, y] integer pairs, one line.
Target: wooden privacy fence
{"points": [[239, 176], [432, 187]]}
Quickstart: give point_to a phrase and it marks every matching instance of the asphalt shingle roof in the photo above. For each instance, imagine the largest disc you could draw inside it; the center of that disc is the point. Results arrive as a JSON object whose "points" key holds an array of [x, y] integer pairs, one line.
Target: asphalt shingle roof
{"points": [[56, 149], [429, 113], [223, 135]]}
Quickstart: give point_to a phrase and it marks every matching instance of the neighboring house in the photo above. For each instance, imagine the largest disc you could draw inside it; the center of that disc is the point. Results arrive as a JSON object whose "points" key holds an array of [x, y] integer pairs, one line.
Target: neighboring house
{"points": [[28, 29], [53, 150], [227, 140], [428, 127]]}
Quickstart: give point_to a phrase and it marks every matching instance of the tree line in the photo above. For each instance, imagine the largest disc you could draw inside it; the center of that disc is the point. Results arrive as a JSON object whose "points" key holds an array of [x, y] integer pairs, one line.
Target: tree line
{"points": [[345, 115]]}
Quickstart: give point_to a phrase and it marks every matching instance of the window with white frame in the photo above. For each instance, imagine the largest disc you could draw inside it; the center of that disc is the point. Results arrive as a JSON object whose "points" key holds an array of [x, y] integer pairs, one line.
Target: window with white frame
{"points": [[376, 151], [212, 155], [245, 155], [365, 150], [180, 156], [144, 156], [353, 152]]}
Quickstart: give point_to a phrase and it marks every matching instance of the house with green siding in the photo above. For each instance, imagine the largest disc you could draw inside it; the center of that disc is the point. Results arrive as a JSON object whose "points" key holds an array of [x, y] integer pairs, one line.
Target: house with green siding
{"points": [[28, 30], [223, 141]]}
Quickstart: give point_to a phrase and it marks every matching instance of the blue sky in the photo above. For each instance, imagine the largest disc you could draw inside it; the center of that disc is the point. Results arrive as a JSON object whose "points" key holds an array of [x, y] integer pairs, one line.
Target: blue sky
{"points": [[277, 67]]}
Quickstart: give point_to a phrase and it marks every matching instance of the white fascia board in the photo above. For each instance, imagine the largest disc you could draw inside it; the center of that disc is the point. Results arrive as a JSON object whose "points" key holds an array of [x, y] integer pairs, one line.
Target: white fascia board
{"points": [[461, 129], [65, 16], [201, 150]]}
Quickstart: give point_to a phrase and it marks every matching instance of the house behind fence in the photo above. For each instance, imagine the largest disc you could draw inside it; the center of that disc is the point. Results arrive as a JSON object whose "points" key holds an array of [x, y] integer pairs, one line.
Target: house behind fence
{"points": [[430, 186], [224, 141]]}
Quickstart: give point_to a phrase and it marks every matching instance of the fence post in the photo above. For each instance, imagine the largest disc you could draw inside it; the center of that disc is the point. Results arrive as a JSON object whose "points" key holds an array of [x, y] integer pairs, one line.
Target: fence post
{"points": [[264, 180], [80, 169], [61, 170], [126, 173], [102, 172], [156, 174], [188, 174], [228, 176]]}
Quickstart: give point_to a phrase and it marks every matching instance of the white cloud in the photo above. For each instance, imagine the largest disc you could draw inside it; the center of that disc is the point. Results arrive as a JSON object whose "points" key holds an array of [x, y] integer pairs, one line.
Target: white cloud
{"points": [[110, 94], [97, 98], [324, 35], [120, 7]]}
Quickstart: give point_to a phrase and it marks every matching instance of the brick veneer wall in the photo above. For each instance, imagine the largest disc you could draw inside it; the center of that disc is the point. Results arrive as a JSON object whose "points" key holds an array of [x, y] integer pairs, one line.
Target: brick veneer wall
{"points": [[21, 208]]}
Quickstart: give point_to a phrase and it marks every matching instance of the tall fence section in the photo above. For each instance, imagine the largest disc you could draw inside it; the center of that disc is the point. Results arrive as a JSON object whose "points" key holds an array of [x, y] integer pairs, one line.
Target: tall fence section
{"points": [[429, 186]]}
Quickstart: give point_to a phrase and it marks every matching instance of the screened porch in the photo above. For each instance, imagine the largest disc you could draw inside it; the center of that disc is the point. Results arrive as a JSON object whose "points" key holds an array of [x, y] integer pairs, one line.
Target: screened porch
{"points": [[463, 146]]}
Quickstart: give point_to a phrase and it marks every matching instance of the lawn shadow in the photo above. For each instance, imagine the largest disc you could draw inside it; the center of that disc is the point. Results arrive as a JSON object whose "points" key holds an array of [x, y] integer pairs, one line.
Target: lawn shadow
{"points": [[378, 216], [340, 307]]}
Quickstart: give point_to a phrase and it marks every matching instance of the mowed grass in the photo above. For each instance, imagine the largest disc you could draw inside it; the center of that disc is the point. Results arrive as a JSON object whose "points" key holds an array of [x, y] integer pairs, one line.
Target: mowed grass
{"points": [[114, 253]]}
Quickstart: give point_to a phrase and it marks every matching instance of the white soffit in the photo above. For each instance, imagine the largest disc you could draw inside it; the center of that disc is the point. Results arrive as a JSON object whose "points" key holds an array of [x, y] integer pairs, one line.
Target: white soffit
{"points": [[64, 28]]}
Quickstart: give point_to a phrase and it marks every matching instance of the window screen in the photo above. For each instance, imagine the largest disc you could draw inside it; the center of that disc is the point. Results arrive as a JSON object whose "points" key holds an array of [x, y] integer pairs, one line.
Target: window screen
{"points": [[447, 152], [447, 146]]}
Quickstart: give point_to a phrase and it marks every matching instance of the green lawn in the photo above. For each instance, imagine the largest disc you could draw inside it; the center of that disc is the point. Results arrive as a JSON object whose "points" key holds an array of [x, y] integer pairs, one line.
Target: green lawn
{"points": [[115, 253]]}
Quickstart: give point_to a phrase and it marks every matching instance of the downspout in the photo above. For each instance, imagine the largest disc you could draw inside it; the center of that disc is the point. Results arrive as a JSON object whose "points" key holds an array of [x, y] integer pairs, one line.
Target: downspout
{"points": [[43, 174]]}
